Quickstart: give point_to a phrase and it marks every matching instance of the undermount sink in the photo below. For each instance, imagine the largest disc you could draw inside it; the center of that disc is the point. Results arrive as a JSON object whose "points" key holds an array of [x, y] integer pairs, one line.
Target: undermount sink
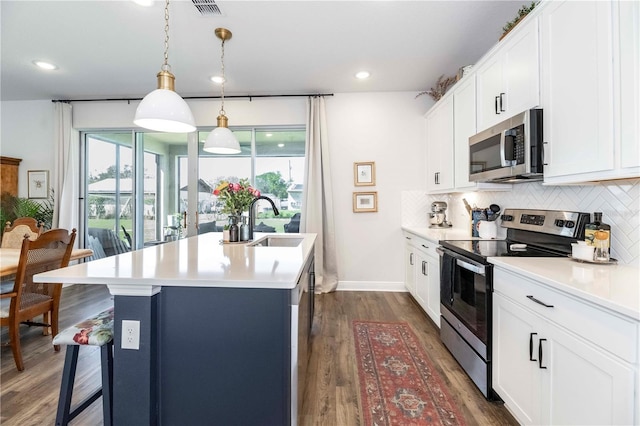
{"points": [[271, 241]]}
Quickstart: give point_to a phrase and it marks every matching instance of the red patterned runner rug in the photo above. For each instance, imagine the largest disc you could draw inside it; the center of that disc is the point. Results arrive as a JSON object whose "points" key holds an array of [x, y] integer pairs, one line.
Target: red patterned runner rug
{"points": [[398, 383]]}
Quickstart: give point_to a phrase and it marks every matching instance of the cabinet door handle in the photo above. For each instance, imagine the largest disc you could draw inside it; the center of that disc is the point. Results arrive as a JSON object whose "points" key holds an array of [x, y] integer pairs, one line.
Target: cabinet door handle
{"points": [[408, 238], [496, 105], [539, 302], [411, 259], [544, 160], [540, 354], [531, 346], [423, 268], [501, 102], [425, 246]]}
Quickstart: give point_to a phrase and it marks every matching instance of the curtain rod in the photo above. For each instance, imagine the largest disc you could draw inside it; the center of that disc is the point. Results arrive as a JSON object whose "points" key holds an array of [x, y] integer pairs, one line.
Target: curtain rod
{"points": [[196, 97]]}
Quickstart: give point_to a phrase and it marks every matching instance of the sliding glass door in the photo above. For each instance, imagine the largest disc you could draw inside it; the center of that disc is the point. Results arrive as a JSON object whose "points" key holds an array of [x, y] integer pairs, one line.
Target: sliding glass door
{"points": [[144, 188]]}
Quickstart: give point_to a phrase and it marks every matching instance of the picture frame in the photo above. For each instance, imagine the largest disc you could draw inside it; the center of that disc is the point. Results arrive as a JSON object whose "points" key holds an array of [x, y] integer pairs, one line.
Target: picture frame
{"points": [[38, 184], [364, 173], [365, 202]]}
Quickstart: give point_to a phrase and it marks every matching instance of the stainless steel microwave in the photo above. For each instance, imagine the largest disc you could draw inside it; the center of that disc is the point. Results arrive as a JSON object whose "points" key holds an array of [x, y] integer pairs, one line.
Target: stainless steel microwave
{"points": [[510, 151]]}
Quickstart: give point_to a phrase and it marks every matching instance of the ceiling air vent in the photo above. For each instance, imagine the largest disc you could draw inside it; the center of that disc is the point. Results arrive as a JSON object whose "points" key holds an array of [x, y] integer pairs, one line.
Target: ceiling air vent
{"points": [[207, 7]]}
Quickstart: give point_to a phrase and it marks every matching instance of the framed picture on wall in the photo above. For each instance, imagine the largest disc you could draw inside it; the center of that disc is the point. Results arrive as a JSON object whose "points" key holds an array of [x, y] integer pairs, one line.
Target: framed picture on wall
{"points": [[38, 183], [364, 174], [364, 202]]}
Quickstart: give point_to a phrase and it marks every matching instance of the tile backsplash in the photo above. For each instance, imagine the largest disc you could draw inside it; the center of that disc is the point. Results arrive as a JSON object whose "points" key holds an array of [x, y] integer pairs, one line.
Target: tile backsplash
{"points": [[619, 202]]}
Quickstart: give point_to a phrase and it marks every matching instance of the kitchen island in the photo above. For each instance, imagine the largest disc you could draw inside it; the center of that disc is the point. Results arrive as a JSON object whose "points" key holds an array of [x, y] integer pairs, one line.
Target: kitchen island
{"points": [[223, 329]]}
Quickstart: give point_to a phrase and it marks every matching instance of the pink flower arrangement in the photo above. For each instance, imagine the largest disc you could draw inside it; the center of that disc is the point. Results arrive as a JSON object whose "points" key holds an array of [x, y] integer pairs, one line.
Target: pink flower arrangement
{"points": [[237, 196]]}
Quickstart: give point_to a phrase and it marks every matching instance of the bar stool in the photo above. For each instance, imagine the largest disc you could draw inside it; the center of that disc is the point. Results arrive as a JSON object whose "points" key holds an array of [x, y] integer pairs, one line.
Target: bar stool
{"points": [[94, 331]]}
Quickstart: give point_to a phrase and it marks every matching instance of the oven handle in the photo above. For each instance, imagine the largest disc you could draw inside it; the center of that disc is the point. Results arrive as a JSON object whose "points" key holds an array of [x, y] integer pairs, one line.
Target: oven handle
{"points": [[478, 269]]}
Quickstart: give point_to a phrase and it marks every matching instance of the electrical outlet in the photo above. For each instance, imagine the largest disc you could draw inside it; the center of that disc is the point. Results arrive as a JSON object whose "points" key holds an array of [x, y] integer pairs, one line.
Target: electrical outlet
{"points": [[130, 334]]}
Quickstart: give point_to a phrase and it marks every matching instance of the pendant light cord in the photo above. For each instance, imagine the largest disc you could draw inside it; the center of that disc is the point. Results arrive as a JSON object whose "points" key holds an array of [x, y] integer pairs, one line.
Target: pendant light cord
{"points": [[222, 112], [166, 66]]}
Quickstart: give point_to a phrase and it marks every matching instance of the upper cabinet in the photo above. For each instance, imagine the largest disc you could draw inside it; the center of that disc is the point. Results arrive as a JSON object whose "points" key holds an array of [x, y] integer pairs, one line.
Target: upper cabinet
{"points": [[440, 167], [508, 81], [590, 92], [464, 126], [579, 62]]}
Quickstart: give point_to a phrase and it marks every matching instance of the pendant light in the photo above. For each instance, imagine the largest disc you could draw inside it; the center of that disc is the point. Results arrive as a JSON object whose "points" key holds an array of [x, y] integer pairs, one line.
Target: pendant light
{"points": [[222, 140], [163, 109]]}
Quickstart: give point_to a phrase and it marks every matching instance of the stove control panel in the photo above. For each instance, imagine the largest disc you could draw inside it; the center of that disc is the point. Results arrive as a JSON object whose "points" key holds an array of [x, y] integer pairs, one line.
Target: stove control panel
{"points": [[555, 222]]}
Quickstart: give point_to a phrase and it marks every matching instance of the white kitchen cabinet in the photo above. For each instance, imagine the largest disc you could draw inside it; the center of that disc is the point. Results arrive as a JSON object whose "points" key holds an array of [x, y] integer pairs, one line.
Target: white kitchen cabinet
{"points": [[628, 14], [464, 126], [508, 81], [557, 360], [409, 266], [440, 169], [590, 91], [422, 274]]}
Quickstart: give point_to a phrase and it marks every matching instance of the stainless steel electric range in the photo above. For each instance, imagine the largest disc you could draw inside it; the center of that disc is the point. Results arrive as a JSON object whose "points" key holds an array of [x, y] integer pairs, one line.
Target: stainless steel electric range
{"points": [[466, 280]]}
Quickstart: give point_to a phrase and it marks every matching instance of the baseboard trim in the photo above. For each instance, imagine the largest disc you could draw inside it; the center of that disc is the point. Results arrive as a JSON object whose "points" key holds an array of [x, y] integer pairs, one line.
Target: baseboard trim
{"points": [[371, 286]]}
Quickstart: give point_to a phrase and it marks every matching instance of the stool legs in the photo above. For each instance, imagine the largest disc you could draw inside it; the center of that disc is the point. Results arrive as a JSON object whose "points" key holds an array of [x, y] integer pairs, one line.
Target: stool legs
{"points": [[106, 355], [64, 414]]}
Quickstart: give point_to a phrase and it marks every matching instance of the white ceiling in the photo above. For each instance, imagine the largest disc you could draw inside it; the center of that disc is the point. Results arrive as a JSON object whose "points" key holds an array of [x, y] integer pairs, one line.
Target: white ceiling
{"points": [[113, 49]]}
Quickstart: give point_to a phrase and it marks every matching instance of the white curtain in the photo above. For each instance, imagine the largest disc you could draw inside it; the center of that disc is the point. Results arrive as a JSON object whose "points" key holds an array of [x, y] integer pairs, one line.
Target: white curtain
{"points": [[317, 208], [67, 165]]}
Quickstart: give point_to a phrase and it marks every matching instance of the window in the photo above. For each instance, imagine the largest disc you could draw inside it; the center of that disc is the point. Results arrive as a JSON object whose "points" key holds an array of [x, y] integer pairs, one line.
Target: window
{"points": [[136, 183]]}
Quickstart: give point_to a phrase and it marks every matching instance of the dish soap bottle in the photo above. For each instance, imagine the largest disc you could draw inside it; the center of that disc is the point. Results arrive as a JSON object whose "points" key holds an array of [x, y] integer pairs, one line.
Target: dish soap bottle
{"points": [[597, 225]]}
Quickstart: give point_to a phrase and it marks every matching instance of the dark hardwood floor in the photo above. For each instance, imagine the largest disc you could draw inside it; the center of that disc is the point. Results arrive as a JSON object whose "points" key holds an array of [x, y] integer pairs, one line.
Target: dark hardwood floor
{"points": [[331, 395]]}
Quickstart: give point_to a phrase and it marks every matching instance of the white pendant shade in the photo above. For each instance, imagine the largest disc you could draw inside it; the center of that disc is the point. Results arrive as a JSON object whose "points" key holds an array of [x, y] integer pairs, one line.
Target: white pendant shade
{"points": [[163, 110], [221, 140]]}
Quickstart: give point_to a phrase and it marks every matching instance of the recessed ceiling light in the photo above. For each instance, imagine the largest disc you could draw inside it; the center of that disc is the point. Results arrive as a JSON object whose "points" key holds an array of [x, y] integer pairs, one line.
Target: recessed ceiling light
{"points": [[269, 135], [280, 145], [217, 79], [145, 3], [45, 65], [363, 74]]}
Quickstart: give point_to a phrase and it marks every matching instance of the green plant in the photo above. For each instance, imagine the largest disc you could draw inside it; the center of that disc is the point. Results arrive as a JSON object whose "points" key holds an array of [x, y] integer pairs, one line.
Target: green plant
{"points": [[12, 207], [522, 12]]}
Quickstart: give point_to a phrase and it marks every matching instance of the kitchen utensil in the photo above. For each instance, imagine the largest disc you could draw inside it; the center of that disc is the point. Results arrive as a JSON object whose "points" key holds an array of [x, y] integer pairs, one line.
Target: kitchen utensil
{"points": [[494, 210], [467, 206]]}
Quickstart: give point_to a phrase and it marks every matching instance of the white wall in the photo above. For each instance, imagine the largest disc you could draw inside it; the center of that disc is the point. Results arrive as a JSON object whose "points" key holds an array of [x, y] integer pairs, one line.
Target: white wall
{"points": [[387, 128], [27, 133]]}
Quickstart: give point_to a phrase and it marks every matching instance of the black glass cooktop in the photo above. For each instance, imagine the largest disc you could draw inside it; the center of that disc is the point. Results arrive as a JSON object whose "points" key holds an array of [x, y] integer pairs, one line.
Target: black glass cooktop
{"points": [[497, 248]]}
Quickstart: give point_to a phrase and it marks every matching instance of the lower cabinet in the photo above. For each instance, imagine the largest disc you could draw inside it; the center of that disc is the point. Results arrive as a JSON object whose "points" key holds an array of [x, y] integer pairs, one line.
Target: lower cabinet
{"points": [[422, 274], [551, 366]]}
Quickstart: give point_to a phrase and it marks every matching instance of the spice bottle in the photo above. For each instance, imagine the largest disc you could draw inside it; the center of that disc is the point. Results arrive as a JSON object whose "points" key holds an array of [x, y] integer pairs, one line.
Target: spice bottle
{"points": [[602, 250], [234, 231], [597, 225]]}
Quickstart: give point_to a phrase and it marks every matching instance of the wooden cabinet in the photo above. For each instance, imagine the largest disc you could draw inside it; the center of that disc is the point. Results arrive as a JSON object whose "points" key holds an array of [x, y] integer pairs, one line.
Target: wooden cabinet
{"points": [[422, 274], [508, 81], [440, 169], [557, 360], [590, 91], [9, 168]]}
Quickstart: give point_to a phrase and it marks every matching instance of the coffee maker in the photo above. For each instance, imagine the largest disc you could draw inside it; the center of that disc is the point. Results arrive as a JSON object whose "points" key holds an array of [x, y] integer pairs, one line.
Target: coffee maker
{"points": [[438, 215]]}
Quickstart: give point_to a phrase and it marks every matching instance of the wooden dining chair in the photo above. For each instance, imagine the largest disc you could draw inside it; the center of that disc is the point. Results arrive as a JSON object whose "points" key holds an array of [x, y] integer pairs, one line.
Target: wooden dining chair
{"points": [[14, 233], [28, 300]]}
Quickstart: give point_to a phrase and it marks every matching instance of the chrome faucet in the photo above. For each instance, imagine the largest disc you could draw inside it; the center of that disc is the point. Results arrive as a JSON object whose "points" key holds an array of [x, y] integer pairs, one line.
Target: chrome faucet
{"points": [[251, 213]]}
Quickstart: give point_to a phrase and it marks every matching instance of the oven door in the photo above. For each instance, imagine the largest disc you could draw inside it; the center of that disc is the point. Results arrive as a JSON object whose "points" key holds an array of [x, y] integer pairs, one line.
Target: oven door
{"points": [[465, 296]]}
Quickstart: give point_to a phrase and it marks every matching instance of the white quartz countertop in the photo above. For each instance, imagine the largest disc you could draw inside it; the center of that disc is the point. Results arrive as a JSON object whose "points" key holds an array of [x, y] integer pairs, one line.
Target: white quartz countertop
{"points": [[616, 287], [437, 234], [199, 261]]}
